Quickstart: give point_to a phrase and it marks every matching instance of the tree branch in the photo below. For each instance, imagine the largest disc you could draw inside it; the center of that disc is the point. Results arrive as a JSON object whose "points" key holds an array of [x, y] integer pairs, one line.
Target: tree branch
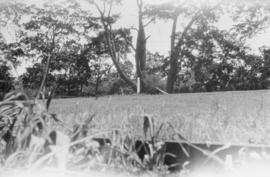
{"points": [[138, 3], [104, 7], [110, 9], [147, 37], [194, 18], [112, 48], [130, 44], [136, 29], [99, 10], [44, 76], [148, 23], [46, 71]]}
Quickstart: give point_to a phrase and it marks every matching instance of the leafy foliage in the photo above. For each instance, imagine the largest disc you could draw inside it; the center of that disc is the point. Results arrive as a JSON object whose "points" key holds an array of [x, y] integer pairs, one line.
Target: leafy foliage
{"points": [[74, 47], [6, 80], [251, 18]]}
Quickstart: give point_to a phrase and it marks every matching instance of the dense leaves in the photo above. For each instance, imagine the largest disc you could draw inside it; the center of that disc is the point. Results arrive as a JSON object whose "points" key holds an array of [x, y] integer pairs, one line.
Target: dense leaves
{"points": [[251, 18]]}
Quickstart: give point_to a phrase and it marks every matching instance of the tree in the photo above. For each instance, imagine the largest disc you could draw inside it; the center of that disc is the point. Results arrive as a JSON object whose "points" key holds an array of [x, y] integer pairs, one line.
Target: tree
{"points": [[100, 70], [97, 52], [251, 17], [72, 56], [107, 19], [47, 33], [211, 57], [264, 73], [157, 64], [33, 75], [6, 80], [140, 51], [174, 10], [53, 29], [71, 66]]}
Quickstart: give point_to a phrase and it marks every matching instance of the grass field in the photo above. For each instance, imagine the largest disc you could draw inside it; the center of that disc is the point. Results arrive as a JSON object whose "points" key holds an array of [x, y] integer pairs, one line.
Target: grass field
{"points": [[236, 117], [224, 117]]}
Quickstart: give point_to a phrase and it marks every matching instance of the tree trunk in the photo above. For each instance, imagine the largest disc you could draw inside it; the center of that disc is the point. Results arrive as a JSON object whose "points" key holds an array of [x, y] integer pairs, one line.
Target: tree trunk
{"points": [[45, 74], [47, 68], [81, 91], [69, 87], [141, 46], [113, 51], [111, 43], [140, 55], [114, 58], [173, 59], [97, 85], [176, 51]]}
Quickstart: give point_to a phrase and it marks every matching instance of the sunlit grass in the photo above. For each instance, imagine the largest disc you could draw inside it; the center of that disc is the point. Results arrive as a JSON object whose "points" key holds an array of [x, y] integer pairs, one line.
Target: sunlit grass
{"points": [[236, 117]]}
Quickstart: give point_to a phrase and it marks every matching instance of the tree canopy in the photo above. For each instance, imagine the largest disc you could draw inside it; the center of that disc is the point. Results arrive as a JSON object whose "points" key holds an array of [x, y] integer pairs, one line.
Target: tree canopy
{"points": [[78, 47]]}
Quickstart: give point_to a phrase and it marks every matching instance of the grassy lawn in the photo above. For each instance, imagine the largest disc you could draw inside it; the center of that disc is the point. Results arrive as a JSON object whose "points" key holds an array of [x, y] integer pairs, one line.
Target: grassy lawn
{"points": [[236, 117]]}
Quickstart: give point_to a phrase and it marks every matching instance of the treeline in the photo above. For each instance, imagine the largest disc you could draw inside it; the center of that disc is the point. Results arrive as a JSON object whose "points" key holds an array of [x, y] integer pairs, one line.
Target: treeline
{"points": [[79, 50]]}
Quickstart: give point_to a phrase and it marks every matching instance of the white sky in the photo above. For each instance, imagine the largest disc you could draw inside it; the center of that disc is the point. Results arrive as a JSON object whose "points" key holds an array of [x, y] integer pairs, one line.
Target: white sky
{"points": [[160, 31], [159, 40]]}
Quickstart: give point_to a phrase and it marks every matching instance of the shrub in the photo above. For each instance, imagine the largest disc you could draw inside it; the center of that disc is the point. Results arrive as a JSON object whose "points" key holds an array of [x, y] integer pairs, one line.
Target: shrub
{"points": [[153, 81]]}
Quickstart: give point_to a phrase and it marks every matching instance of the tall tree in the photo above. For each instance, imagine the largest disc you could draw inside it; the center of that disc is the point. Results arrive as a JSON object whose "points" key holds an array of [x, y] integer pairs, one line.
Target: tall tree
{"points": [[107, 19], [174, 11], [46, 31], [140, 51]]}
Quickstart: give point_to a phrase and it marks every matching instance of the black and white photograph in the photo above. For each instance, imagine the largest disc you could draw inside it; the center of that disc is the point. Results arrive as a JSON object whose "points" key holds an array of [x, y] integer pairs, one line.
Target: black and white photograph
{"points": [[134, 88]]}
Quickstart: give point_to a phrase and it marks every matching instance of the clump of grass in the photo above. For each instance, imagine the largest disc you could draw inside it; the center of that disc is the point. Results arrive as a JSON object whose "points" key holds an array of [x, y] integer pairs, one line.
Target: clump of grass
{"points": [[31, 142], [24, 128]]}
